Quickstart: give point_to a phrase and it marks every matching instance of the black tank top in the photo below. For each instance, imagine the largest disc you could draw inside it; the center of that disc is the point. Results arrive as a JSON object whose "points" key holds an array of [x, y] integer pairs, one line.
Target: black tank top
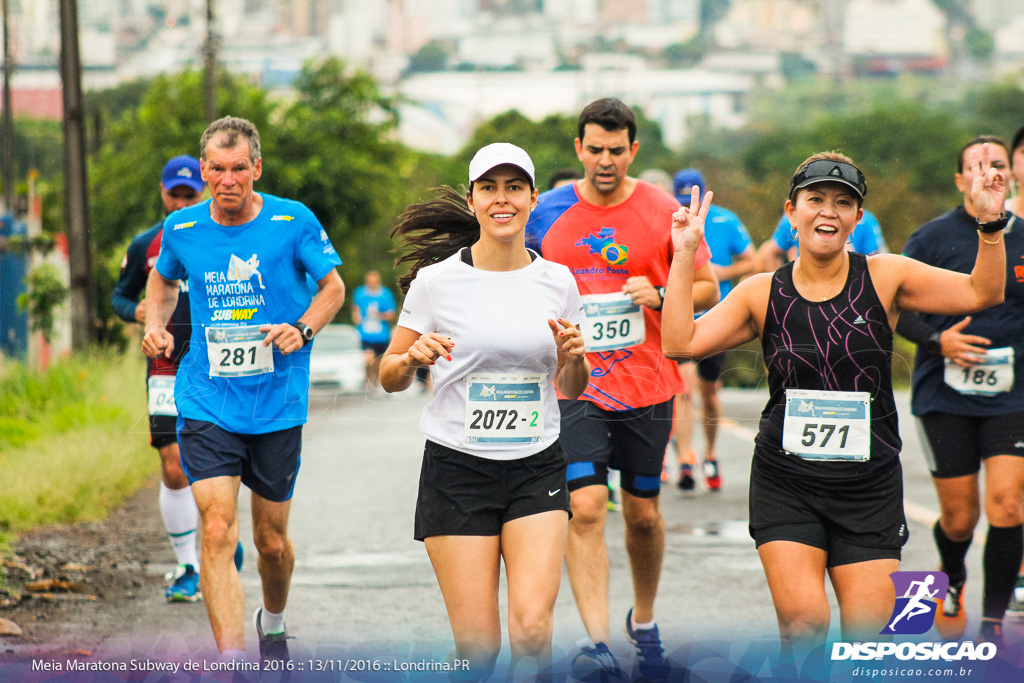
{"points": [[843, 344]]}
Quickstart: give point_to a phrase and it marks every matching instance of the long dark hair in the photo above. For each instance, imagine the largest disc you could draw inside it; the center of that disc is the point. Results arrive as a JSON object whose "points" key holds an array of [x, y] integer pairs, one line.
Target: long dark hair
{"points": [[433, 230]]}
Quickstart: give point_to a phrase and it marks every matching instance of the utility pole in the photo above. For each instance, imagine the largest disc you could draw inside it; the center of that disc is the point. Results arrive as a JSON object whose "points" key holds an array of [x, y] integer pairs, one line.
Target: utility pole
{"points": [[76, 199], [210, 64], [8, 117]]}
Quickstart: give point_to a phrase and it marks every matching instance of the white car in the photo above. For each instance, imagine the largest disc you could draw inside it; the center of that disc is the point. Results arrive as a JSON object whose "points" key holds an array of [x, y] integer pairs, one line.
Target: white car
{"points": [[337, 363]]}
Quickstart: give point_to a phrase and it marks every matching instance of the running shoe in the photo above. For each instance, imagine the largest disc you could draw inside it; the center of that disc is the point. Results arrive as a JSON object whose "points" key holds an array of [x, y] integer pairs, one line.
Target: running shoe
{"points": [[594, 663], [1016, 606], [613, 500], [951, 618], [272, 645], [239, 556], [650, 655], [686, 481], [184, 585], [991, 632], [711, 476]]}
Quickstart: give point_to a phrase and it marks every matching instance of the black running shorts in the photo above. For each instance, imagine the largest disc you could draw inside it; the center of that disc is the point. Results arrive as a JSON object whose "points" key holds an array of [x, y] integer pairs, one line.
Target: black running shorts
{"points": [[856, 519], [955, 445], [631, 441], [163, 430], [267, 463], [710, 369], [465, 495]]}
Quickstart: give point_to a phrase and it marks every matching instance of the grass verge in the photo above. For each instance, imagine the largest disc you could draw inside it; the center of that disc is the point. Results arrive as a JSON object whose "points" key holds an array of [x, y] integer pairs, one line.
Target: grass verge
{"points": [[73, 441]]}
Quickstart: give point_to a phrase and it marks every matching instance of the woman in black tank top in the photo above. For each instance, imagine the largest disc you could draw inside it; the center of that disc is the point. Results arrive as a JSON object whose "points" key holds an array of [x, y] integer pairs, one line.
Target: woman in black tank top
{"points": [[826, 484]]}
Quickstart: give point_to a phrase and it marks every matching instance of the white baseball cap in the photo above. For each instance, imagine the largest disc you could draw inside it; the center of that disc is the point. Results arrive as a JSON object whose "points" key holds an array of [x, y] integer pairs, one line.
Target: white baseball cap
{"points": [[496, 154]]}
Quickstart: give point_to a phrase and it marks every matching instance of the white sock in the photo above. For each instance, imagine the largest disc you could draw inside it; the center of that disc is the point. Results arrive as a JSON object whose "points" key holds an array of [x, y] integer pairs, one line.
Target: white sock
{"points": [[270, 622], [181, 516], [233, 655], [642, 627]]}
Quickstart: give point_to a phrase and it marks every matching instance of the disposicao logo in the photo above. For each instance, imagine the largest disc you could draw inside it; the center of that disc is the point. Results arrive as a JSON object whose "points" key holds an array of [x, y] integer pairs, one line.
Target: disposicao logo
{"points": [[603, 243], [917, 595]]}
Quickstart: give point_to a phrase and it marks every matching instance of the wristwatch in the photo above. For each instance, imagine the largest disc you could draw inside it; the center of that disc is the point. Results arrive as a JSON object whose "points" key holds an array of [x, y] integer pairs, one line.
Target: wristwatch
{"points": [[993, 226], [305, 330], [661, 295]]}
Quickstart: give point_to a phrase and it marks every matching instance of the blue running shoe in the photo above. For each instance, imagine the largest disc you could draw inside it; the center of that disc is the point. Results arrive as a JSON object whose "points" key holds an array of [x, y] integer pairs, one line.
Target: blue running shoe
{"points": [[184, 585], [650, 655], [239, 556], [595, 663]]}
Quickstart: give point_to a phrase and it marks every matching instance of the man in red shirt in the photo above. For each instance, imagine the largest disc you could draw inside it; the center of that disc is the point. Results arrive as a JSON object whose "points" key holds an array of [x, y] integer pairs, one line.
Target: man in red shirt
{"points": [[613, 232]]}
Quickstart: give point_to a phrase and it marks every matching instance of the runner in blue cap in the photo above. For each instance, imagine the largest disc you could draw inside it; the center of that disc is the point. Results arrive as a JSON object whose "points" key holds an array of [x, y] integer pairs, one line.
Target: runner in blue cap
{"points": [[732, 258]]}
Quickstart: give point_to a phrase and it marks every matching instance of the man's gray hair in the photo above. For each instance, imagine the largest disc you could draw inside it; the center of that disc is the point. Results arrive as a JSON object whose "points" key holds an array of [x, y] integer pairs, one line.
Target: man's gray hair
{"points": [[232, 127]]}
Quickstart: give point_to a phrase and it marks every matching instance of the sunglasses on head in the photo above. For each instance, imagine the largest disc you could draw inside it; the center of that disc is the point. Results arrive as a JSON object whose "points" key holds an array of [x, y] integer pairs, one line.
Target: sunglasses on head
{"points": [[825, 170]]}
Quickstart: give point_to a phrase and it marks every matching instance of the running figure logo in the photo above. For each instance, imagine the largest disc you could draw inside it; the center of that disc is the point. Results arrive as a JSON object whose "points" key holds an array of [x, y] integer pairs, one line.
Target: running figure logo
{"points": [[243, 270], [603, 243], [917, 594]]}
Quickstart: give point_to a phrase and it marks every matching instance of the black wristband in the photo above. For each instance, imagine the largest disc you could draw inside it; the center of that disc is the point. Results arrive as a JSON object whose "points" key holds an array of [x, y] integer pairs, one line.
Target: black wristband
{"points": [[934, 343], [995, 226], [661, 295]]}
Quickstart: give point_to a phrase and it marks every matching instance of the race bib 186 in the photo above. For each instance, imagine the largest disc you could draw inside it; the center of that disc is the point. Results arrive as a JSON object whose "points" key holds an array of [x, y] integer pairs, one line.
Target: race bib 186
{"points": [[238, 351], [504, 408], [614, 321], [993, 375], [828, 425]]}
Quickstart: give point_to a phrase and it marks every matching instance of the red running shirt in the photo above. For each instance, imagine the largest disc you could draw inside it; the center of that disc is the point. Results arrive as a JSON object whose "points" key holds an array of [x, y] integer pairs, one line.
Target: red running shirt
{"points": [[603, 247]]}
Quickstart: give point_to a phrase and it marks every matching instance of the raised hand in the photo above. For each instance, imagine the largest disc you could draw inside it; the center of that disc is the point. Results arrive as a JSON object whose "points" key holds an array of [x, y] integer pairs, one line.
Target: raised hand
{"points": [[688, 222], [568, 339], [988, 189]]}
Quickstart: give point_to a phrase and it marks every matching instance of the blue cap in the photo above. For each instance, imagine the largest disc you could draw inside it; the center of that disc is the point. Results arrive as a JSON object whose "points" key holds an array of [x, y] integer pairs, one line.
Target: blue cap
{"points": [[183, 170], [686, 179]]}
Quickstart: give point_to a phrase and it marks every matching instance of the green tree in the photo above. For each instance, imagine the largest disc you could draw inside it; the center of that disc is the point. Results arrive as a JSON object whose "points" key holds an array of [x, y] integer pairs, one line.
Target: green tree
{"points": [[45, 293], [124, 174], [685, 55], [37, 146], [430, 57], [337, 154], [997, 109], [107, 105]]}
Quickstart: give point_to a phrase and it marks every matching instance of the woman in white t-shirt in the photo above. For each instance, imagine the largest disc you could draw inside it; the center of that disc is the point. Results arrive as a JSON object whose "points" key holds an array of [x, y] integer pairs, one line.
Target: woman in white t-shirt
{"points": [[498, 327]]}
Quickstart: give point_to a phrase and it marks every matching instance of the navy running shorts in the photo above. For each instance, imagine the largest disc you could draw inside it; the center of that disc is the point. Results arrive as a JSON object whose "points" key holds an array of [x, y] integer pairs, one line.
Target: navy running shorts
{"points": [[465, 495], [955, 445], [267, 463], [631, 441]]}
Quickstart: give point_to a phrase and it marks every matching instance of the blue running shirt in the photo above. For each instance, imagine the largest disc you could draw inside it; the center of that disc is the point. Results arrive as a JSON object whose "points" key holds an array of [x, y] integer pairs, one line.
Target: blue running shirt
{"points": [[241, 277], [727, 237], [372, 328]]}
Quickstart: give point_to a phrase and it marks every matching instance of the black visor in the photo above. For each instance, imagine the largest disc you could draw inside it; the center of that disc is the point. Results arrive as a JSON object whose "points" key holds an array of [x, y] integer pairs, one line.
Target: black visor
{"points": [[824, 171]]}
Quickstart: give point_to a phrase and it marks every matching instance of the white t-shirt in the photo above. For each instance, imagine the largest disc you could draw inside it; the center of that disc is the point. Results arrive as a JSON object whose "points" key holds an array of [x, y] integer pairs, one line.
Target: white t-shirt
{"points": [[495, 398]]}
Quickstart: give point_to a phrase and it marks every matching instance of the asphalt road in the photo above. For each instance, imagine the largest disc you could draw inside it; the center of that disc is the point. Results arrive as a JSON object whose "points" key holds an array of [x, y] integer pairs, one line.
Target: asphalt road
{"points": [[363, 585]]}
